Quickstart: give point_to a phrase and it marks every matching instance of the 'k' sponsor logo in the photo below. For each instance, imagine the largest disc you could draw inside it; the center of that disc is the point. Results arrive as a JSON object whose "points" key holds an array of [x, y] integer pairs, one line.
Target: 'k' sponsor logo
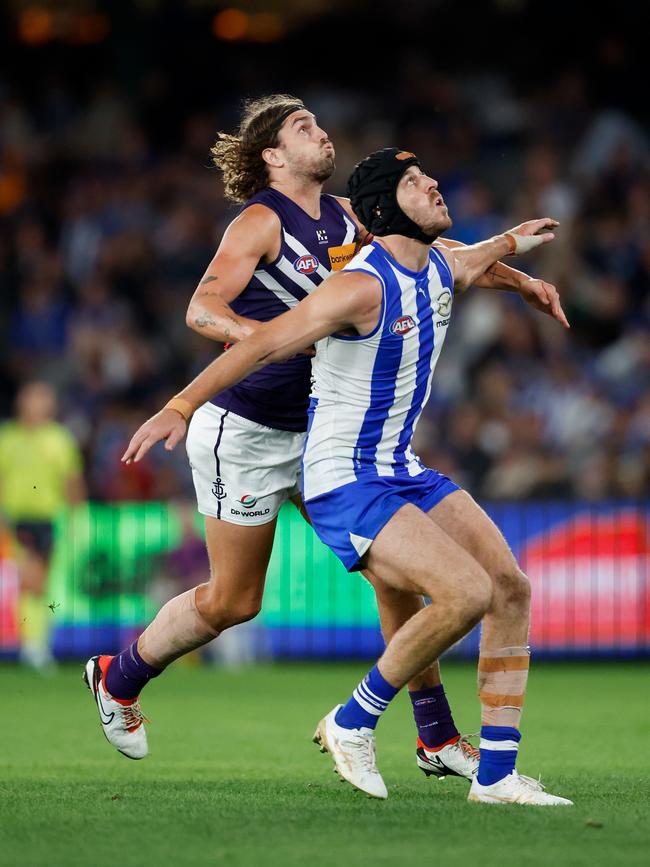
{"points": [[248, 501]]}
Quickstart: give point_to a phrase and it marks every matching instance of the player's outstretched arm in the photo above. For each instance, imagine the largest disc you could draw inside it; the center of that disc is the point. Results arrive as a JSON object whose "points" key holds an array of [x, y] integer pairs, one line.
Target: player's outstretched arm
{"points": [[497, 276], [251, 237], [343, 300], [468, 263], [538, 293]]}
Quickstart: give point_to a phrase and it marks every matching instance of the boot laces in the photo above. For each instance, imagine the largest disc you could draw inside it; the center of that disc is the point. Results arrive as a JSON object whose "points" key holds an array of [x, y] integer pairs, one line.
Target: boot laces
{"points": [[466, 747], [363, 747], [531, 783], [132, 716]]}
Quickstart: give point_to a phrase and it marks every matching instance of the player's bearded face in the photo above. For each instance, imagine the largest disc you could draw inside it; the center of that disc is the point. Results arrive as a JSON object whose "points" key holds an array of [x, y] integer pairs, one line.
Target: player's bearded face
{"points": [[306, 148], [419, 198], [311, 160]]}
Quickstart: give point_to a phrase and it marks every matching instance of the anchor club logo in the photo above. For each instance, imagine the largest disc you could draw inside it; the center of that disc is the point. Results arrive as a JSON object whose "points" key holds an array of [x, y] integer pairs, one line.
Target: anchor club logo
{"points": [[218, 489]]}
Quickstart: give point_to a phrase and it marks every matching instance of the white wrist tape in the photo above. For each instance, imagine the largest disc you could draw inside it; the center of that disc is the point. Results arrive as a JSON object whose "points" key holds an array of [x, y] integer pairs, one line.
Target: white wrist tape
{"points": [[522, 243]]}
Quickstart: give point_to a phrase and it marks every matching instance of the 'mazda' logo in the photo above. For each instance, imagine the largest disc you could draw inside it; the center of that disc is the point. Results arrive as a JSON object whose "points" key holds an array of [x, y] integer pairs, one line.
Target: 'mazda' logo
{"points": [[402, 326], [306, 264]]}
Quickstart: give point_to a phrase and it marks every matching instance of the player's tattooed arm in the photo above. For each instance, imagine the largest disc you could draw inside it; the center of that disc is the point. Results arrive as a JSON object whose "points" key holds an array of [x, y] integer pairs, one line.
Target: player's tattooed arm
{"points": [[342, 301], [539, 294], [497, 276], [469, 263], [252, 237], [204, 320]]}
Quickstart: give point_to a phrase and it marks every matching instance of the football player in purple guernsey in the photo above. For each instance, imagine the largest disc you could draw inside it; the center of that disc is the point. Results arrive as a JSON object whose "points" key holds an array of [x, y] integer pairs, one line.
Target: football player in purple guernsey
{"points": [[245, 444]]}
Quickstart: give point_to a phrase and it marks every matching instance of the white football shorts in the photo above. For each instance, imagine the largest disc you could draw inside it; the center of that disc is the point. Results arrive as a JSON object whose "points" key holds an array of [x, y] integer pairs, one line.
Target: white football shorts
{"points": [[243, 472]]}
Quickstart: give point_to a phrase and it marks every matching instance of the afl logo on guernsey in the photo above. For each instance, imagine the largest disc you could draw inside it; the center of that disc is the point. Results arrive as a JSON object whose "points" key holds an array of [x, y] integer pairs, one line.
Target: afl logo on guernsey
{"points": [[306, 264], [402, 326]]}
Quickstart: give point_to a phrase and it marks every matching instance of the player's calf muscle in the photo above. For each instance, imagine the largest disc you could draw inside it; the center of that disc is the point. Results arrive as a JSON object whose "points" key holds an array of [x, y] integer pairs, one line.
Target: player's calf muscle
{"points": [[421, 640], [223, 610], [179, 627]]}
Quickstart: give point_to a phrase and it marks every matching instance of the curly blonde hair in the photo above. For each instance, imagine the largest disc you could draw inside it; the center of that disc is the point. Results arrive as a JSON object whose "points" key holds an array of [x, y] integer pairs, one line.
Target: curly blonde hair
{"points": [[239, 156]]}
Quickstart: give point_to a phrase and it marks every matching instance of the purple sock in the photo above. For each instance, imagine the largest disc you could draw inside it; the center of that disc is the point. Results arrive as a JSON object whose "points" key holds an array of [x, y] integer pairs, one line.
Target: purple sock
{"points": [[128, 673], [433, 716]]}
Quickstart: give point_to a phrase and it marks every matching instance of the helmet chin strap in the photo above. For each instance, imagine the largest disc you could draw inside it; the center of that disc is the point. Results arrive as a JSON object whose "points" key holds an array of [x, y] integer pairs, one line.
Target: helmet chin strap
{"points": [[401, 224]]}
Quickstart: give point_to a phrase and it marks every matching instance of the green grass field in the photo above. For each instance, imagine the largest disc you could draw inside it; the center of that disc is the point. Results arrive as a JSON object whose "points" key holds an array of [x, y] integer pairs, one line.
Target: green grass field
{"points": [[233, 777]]}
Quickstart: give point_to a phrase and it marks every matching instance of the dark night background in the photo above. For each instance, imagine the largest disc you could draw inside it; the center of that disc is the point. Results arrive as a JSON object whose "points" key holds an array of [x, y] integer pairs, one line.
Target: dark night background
{"points": [[110, 212]]}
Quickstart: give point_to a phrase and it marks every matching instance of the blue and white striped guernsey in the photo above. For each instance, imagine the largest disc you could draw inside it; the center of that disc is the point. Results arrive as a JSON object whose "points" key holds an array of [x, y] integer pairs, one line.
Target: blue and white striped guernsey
{"points": [[368, 392]]}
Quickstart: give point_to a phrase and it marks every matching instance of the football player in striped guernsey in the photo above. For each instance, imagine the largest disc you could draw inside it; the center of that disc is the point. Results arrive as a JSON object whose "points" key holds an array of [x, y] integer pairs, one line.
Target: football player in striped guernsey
{"points": [[287, 237]]}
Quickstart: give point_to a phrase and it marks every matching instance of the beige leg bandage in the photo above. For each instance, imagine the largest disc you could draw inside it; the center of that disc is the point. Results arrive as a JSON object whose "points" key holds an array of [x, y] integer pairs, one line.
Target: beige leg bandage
{"points": [[502, 677], [177, 628]]}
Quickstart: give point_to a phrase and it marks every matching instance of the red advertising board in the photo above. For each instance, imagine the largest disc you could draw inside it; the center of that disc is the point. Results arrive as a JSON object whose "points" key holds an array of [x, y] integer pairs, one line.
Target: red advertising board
{"points": [[8, 596], [590, 576]]}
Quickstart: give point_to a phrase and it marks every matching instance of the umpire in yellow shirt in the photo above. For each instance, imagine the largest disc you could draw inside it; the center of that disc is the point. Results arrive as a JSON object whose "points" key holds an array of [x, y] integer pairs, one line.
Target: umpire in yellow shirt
{"points": [[40, 474]]}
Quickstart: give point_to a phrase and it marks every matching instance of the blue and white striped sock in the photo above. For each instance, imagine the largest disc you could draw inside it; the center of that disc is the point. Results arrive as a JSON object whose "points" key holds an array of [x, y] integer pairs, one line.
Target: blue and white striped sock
{"points": [[498, 748], [367, 703]]}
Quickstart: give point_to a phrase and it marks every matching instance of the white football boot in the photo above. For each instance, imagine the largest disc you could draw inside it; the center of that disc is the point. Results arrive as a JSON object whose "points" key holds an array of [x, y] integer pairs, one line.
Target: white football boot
{"points": [[459, 759], [122, 721], [515, 789], [353, 751]]}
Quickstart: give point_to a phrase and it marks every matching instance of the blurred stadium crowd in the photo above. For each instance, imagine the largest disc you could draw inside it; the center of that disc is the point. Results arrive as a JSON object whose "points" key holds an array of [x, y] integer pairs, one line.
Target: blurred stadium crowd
{"points": [[109, 226]]}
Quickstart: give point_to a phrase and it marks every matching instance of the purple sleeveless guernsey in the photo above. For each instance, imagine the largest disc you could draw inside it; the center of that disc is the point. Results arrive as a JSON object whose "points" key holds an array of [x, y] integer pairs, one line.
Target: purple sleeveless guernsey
{"points": [[278, 395]]}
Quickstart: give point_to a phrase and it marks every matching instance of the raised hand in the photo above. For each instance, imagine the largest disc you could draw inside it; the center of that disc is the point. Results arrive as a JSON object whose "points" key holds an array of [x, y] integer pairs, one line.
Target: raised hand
{"points": [[527, 236], [167, 425], [545, 297]]}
